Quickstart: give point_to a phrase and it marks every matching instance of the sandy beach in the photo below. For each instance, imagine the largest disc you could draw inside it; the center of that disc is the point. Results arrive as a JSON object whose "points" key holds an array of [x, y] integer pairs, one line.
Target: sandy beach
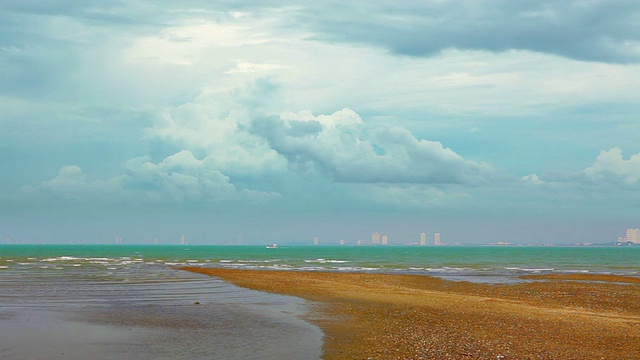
{"points": [[380, 316]]}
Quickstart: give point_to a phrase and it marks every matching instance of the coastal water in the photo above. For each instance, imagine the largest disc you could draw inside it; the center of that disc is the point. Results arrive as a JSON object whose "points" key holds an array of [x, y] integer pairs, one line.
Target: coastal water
{"points": [[117, 301], [95, 302], [104, 260]]}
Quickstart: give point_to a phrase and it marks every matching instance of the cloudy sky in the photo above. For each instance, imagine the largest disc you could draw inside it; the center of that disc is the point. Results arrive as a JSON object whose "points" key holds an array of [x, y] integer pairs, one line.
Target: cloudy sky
{"points": [[486, 121]]}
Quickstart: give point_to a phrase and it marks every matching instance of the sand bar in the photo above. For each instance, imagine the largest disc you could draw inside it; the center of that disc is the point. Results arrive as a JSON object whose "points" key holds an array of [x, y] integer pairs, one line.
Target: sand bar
{"points": [[381, 316]]}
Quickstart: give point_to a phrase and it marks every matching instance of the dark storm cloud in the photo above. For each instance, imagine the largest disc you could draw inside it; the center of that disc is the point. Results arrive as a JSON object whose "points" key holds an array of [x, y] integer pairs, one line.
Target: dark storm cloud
{"points": [[605, 31]]}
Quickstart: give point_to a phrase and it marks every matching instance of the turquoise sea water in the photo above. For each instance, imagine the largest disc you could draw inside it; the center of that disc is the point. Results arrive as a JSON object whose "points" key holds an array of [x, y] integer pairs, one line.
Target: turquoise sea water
{"points": [[431, 260], [129, 301]]}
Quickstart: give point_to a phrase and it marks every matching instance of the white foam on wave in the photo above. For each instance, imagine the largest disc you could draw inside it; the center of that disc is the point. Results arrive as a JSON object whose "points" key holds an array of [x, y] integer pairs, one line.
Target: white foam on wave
{"points": [[533, 270], [321, 261], [356, 268], [105, 263], [324, 261], [447, 269], [281, 266]]}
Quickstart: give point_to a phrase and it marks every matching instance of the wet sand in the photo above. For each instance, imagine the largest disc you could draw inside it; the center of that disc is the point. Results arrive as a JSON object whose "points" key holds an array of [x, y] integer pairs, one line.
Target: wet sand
{"points": [[380, 316], [152, 317]]}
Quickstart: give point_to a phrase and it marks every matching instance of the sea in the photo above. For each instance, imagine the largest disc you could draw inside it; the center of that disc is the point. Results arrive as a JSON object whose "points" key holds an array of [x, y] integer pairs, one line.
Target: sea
{"points": [[131, 301]]}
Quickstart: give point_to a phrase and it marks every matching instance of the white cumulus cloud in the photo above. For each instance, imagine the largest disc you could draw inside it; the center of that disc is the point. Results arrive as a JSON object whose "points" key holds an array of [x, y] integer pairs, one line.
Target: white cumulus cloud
{"points": [[178, 179], [215, 126], [532, 179], [611, 167], [610, 170], [342, 147]]}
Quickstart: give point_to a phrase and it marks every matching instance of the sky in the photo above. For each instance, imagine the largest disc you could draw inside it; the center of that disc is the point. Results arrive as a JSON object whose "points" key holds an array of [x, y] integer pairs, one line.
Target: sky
{"points": [[269, 121]]}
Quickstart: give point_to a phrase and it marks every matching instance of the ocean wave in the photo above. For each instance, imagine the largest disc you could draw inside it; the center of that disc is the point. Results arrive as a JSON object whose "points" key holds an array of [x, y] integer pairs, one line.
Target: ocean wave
{"points": [[447, 269], [356, 268], [62, 258], [105, 263], [325, 261], [531, 270]]}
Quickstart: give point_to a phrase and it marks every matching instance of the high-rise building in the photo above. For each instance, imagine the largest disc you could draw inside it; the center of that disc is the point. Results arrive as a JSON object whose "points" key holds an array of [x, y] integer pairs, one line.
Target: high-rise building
{"points": [[118, 240], [385, 240], [342, 242], [183, 240], [315, 241], [423, 239], [375, 238], [436, 239], [633, 235]]}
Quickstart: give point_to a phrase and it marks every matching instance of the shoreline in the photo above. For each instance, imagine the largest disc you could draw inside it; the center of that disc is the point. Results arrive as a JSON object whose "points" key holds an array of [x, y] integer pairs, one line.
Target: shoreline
{"points": [[386, 316]]}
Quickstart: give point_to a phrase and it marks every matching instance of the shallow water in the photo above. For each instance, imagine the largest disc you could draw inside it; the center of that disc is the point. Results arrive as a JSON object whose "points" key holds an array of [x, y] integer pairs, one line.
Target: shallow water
{"points": [[146, 313]]}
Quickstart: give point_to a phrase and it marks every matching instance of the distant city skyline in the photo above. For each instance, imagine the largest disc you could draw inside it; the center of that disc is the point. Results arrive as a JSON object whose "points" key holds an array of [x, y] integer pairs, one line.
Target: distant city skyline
{"points": [[632, 235], [423, 239], [436, 239]]}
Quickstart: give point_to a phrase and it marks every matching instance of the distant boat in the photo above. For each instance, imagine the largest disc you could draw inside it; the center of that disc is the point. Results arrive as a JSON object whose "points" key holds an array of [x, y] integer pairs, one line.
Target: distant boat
{"points": [[272, 246]]}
